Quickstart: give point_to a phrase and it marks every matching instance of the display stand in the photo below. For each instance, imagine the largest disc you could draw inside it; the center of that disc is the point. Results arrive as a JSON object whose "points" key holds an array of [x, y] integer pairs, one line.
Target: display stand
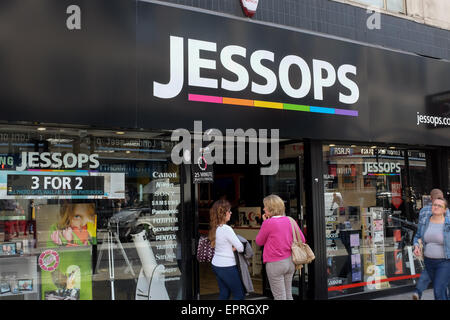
{"points": [[374, 248], [19, 269], [109, 239]]}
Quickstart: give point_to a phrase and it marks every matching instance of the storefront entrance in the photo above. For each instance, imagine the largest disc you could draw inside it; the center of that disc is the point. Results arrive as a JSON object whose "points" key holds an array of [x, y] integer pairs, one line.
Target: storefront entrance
{"points": [[245, 188]]}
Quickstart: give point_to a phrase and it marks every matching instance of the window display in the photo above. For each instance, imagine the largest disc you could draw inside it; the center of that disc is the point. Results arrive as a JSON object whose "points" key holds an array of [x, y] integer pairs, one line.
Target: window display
{"points": [[371, 211], [88, 214]]}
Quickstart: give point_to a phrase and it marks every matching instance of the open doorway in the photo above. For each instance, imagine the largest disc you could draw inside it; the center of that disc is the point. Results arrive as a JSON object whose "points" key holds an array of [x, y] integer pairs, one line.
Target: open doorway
{"points": [[242, 186], [245, 188]]}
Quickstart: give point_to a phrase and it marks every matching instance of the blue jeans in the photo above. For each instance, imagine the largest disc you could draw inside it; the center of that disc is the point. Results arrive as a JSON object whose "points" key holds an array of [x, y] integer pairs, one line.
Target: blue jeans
{"points": [[422, 283], [439, 272], [229, 282]]}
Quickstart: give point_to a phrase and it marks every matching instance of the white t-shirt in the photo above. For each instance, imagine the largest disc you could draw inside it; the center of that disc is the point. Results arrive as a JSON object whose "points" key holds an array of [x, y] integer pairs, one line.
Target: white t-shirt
{"points": [[226, 239]]}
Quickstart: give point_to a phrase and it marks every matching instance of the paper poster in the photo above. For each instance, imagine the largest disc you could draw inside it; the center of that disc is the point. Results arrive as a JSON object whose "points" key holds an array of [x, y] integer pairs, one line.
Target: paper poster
{"points": [[72, 277], [398, 259], [378, 225], [396, 188], [356, 267], [66, 225], [379, 259], [67, 234], [354, 240], [249, 216], [378, 236], [397, 235]]}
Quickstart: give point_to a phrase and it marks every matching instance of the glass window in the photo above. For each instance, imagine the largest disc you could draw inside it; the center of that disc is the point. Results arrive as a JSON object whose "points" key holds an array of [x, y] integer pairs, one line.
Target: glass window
{"points": [[448, 186], [375, 3], [369, 225], [88, 214], [397, 6]]}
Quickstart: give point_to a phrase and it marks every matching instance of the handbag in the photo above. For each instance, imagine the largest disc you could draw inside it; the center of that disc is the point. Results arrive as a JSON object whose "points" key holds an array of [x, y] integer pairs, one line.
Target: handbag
{"points": [[205, 252], [301, 252]]}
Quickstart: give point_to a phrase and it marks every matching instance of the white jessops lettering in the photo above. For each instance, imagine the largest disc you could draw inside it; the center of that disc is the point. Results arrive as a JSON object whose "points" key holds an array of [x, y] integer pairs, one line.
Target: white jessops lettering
{"points": [[57, 160], [309, 79], [266, 73], [173, 88], [196, 63], [225, 57], [349, 84], [285, 65], [381, 167], [319, 82]]}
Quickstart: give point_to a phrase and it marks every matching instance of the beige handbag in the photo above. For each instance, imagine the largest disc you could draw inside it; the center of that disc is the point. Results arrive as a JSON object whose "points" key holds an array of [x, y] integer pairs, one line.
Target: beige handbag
{"points": [[301, 252]]}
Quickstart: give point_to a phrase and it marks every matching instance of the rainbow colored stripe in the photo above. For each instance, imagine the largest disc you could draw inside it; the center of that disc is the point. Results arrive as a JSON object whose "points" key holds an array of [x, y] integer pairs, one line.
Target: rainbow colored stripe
{"points": [[58, 170], [271, 105]]}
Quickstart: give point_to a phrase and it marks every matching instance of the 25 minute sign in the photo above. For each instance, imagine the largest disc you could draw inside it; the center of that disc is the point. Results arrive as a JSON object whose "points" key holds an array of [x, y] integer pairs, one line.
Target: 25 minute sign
{"points": [[46, 185]]}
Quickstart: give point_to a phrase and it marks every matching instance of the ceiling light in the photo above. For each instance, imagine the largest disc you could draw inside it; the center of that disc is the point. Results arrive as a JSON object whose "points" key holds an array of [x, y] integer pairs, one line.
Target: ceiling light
{"points": [[120, 132], [41, 129]]}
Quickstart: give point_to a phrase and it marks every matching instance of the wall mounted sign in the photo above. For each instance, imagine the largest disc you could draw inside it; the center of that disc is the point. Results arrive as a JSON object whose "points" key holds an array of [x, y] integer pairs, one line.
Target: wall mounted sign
{"points": [[249, 7], [229, 70], [61, 184], [45, 185], [202, 172]]}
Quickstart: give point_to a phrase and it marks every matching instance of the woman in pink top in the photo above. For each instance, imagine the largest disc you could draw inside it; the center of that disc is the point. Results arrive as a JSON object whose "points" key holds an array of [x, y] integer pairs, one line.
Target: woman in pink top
{"points": [[276, 237]]}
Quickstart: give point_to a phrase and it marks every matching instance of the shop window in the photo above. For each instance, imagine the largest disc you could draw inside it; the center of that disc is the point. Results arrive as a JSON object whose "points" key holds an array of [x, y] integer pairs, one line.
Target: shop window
{"points": [[371, 213], [397, 6], [448, 185], [71, 200]]}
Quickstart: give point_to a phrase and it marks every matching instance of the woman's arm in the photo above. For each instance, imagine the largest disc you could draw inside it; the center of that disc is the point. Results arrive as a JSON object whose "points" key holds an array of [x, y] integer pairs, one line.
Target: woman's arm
{"points": [[235, 242], [262, 235]]}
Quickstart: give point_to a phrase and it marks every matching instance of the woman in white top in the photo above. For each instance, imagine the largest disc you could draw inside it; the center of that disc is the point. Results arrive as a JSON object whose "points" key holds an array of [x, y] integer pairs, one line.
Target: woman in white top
{"points": [[225, 241]]}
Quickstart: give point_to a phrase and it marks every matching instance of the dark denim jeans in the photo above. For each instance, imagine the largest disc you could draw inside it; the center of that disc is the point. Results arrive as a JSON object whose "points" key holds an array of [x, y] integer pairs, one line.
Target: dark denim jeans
{"points": [[422, 283], [229, 282], [439, 272]]}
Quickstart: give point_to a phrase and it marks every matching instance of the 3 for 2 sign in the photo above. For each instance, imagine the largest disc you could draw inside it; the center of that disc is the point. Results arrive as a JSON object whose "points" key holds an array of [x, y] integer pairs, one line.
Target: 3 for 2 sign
{"points": [[55, 185]]}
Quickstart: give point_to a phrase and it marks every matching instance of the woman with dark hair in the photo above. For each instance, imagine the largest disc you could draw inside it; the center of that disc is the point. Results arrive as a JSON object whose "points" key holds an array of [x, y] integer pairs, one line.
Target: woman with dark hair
{"points": [[225, 242]]}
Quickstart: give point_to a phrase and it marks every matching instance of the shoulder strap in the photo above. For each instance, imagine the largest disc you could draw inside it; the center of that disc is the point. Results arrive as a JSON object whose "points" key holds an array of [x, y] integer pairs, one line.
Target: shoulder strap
{"points": [[295, 233]]}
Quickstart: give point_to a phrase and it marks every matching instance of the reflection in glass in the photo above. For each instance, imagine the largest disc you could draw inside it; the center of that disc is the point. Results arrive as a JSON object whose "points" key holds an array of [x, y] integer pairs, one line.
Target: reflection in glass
{"points": [[370, 219], [86, 214]]}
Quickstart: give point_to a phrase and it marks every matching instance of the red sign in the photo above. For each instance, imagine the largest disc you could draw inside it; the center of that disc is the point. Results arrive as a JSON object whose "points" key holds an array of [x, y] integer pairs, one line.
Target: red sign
{"points": [[396, 189], [249, 7]]}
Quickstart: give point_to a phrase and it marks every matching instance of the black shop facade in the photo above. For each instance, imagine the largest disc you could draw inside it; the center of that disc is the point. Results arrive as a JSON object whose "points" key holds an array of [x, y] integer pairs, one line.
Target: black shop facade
{"points": [[117, 137]]}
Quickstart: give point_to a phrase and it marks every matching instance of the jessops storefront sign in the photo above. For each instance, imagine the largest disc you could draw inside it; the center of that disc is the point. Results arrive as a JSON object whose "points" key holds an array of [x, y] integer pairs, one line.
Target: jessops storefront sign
{"points": [[231, 73], [227, 72]]}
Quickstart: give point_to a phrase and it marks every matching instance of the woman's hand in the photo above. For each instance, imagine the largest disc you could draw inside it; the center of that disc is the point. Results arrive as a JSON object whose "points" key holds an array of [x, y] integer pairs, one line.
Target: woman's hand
{"points": [[265, 216], [234, 249], [417, 251]]}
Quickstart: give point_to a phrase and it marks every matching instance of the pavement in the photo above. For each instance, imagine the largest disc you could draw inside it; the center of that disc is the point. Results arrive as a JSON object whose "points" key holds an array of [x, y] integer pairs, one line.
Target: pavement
{"points": [[426, 295]]}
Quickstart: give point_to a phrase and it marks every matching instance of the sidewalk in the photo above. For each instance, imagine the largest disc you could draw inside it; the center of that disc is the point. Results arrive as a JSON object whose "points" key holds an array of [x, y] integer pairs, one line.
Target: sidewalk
{"points": [[427, 295]]}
